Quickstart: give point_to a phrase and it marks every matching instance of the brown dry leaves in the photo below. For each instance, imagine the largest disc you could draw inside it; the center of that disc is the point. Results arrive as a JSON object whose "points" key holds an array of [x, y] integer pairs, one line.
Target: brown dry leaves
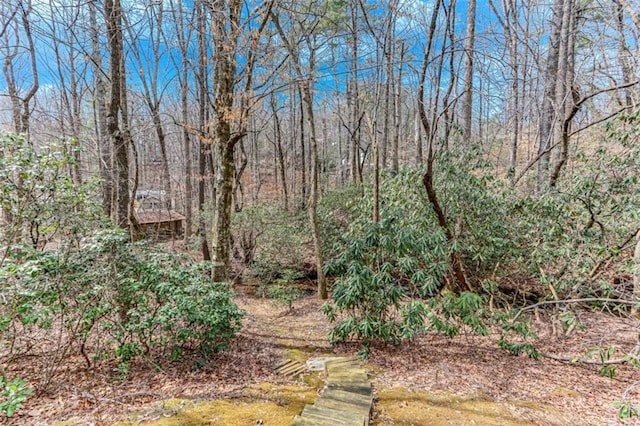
{"points": [[463, 366]]}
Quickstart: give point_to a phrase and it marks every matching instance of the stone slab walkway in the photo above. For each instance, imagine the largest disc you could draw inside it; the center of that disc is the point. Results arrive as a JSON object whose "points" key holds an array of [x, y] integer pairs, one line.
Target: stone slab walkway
{"points": [[346, 400]]}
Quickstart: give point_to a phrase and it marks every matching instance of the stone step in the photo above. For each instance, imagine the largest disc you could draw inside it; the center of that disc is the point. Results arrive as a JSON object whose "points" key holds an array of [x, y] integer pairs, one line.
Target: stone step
{"points": [[351, 362], [362, 389], [352, 381], [337, 417], [348, 372], [349, 405], [345, 401], [355, 398], [308, 421]]}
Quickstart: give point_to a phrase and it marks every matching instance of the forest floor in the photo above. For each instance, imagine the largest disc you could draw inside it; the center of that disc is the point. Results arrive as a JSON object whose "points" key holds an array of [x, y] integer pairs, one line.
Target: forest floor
{"points": [[466, 380]]}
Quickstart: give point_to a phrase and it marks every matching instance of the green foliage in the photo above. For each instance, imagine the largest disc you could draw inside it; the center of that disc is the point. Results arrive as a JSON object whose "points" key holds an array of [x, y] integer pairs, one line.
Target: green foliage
{"points": [[390, 258], [268, 239], [627, 410], [124, 299], [38, 198], [283, 291], [392, 273], [477, 206], [337, 210], [14, 393], [387, 269], [286, 294]]}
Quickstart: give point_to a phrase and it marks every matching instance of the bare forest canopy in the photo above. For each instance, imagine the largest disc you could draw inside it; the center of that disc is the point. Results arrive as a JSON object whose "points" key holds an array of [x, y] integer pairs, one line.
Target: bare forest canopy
{"points": [[438, 165], [225, 104]]}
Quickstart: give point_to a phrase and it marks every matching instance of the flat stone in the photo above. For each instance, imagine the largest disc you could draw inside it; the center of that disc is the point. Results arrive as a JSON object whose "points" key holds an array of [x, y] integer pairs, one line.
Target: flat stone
{"points": [[345, 401], [359, 388], [353, 398], [310, 421], [317, 364], [349, 405], [337, 417]]}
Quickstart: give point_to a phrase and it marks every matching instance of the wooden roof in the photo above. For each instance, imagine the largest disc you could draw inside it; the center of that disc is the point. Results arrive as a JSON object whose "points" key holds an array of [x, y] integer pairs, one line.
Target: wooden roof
{"points": [[158, 216]]}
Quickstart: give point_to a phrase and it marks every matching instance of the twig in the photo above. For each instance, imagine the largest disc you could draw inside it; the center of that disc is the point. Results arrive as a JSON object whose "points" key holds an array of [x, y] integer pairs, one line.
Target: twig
{"points": [[632, 355], [583, 300]]}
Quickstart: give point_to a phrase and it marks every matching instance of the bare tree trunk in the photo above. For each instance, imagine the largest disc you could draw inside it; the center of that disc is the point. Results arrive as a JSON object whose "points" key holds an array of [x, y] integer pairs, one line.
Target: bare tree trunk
{"points": [[203, 143], [113, 14], [460, 283], [230, 125], [100, 111], [509, 26], [280, 152], [307, 100], [355, 116], [566, 96], [467, 91], [548, 113], [225, 64], [397, 116], [186, 139], [303, 154]]}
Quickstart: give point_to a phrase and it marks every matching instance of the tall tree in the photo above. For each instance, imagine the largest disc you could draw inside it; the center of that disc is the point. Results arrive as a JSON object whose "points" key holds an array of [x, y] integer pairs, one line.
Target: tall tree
{"points": [[306, 87], [565, 92], [460, 282], [16, 41], [548, 113], [153, 86], [117, 134], [467, 79], [204, 139], [106, 162], [183, 28], [231, 112]]}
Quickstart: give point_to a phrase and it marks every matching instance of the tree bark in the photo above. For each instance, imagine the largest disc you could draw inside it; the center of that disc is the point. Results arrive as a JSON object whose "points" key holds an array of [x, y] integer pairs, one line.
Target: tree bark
{"points": [[460, 281], [204, 143], [566, 96], [467, 91], [100, 113], [548, 114], [305, 84], [113, 15]]}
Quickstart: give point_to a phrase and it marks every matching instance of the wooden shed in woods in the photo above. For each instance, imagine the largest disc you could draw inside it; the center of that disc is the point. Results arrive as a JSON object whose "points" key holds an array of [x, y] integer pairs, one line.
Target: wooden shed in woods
{"points": [[160, 225]]}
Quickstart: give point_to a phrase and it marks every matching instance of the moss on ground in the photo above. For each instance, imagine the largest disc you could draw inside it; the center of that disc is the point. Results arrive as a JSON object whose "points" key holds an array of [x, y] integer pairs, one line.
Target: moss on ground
{"points": [[271, 404], [401, 406]]}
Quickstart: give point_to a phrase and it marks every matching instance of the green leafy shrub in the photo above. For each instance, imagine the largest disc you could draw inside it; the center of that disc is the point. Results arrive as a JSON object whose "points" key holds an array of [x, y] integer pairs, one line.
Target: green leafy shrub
{"points": [[286, 294], [384, 262], [117, 299], [39, 201], [268, 239], [337, 210], [13, 393], [391, 274]]}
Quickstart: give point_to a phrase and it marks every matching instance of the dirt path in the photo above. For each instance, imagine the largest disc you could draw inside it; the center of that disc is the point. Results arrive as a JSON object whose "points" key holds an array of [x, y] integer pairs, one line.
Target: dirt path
{"points": [[463, 376]]}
